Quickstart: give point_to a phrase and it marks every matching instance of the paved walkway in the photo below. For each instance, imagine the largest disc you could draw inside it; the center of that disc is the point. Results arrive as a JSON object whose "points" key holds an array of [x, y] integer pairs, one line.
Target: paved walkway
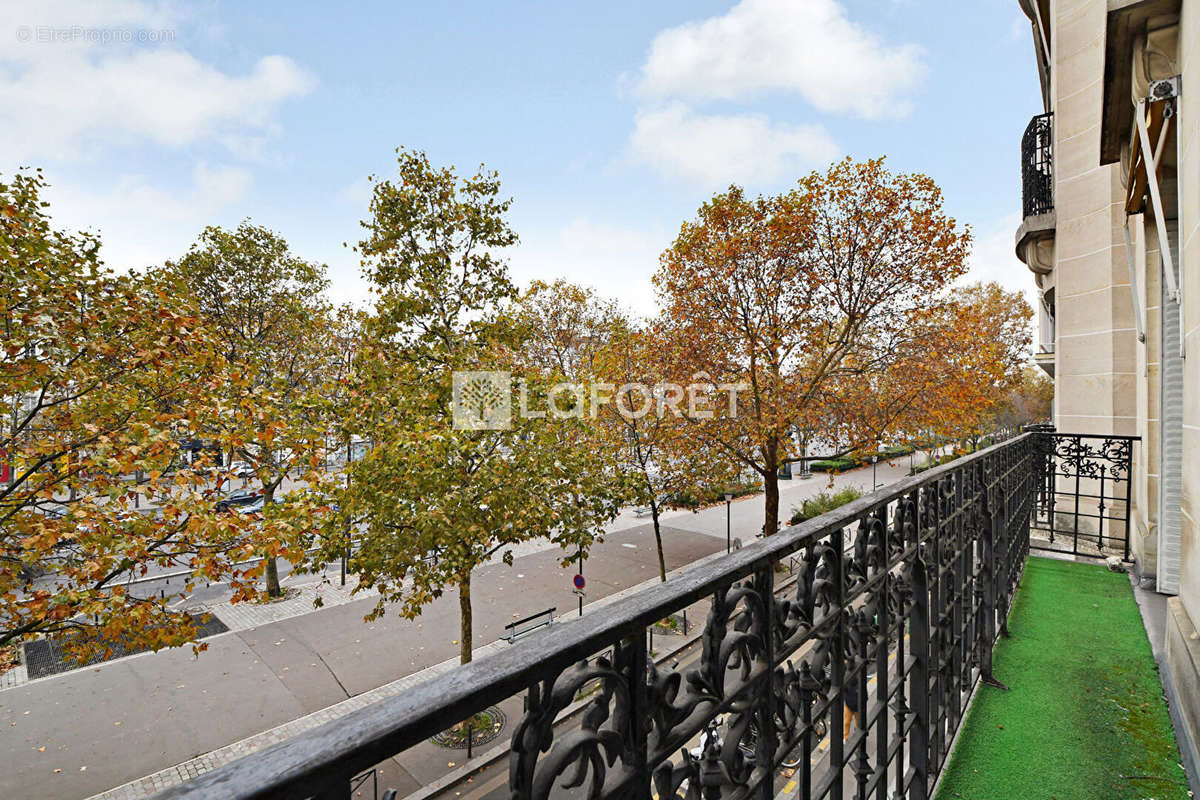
{"points": [[82, 732]]}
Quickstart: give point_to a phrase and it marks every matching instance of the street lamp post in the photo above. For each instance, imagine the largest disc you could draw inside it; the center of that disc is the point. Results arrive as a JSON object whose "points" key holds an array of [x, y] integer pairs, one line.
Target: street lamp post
{"points": [[874, 483], [728, 527], [580, 572], [346, 552]]}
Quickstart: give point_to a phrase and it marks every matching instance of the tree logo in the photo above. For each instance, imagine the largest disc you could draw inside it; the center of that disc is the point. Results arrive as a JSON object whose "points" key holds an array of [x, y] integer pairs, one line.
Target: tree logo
{"points": [[482, 400]]}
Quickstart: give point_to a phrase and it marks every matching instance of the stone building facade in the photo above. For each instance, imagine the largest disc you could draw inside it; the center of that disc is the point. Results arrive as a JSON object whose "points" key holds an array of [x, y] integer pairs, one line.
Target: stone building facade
{"points": [[1111, 173]]}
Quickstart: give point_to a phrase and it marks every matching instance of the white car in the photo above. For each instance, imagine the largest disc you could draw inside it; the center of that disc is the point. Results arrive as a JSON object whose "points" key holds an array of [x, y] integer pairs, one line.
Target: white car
{"points": [[241, 469]]}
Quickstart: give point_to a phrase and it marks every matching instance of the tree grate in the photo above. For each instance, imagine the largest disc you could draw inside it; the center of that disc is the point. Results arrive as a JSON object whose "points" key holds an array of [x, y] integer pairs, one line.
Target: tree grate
{"points": [[46, 657]]}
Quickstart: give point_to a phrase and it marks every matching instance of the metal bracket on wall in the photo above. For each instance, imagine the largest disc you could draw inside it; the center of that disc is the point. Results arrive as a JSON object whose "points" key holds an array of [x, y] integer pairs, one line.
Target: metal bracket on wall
{"points": [[1139, 317], [1165, 91], [1150, 155]]}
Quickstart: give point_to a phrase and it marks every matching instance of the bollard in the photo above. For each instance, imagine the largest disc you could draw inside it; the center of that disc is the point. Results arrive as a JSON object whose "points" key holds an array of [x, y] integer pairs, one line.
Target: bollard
{"points": [[685, 627], [469, 734]]}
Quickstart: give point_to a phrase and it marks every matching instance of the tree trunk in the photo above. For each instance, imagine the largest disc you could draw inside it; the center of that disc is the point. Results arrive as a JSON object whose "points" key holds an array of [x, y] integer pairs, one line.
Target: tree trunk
{"points": [[771, 486], [273, 588], [464, 617], [771, 492], [662, 561]]}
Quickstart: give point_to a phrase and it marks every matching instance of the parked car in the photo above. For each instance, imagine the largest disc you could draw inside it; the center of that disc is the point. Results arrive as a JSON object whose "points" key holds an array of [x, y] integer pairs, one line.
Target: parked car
{"points": [[251, 508], [239, 501], [242, 469]]}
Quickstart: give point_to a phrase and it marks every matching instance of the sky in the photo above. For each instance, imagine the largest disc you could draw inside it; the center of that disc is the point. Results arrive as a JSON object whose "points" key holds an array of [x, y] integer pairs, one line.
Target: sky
{"points": [[609, 123]]}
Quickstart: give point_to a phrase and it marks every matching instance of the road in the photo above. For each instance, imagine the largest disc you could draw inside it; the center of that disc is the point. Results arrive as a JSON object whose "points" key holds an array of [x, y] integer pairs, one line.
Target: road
{"points": [[85, 731]]}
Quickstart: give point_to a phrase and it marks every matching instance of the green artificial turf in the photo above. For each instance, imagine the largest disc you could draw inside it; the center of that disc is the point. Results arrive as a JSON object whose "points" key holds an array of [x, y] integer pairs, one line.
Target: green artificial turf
{"points": [[1085, 715]]}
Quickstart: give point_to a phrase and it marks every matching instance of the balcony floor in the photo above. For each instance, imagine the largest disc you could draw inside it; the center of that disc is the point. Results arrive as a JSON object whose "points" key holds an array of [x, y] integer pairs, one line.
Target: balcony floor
{"points": [[1085, 717]]}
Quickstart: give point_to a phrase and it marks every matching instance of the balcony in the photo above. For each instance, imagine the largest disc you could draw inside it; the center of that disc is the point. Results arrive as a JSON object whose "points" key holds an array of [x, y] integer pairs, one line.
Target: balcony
{"points": [[898, 598], [1035, 237], [1037, 166]]}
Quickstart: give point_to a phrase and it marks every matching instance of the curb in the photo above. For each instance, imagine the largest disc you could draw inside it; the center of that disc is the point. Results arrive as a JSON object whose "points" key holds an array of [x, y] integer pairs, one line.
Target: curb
{"points": [[147, 785]]}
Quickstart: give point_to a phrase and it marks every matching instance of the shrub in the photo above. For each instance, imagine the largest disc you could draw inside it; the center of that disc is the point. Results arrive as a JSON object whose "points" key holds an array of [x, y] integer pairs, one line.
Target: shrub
{"points": [[706, 496], [937, 462], [823, 503], [833, 465]]}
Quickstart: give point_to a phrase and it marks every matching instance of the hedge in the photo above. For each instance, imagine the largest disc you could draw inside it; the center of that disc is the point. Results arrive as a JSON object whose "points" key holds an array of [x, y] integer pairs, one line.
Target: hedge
{"points": [[712, 494], [823, 503], [833, 465]]}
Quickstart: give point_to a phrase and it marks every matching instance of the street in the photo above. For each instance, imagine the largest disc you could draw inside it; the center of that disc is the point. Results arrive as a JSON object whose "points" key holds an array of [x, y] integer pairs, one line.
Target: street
{"points": [[86, 731]]}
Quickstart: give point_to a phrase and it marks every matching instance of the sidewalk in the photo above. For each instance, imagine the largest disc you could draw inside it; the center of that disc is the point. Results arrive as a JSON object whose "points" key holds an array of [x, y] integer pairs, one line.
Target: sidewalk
{"points": [[86, 731]]}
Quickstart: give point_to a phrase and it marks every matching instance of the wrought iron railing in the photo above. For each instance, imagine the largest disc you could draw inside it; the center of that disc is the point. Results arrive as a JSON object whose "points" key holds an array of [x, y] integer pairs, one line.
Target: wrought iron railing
{"points": [[1037, 166], [898, 599], [1083, 502]]}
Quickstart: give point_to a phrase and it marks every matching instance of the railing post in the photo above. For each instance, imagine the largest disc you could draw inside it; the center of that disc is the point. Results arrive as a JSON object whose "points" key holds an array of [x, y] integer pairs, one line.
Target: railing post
{"points": [[956, 539], [767, 742], [808, 687], [1003, 583], [935, 690], [918, 683], [837, 667], [1127, 464], [990, 577], [883, 622], [638, 717], [995, 515]]}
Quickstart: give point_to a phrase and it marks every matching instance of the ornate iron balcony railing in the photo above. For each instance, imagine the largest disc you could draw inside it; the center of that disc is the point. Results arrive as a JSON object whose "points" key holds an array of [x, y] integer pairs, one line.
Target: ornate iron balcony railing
{"points": [[1037, 166], [897, 599], [1083, 506]]}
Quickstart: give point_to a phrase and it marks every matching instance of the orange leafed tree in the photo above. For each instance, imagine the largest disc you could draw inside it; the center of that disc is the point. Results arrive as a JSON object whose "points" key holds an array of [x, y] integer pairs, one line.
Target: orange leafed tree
{"points": [[974, 353], [102, 376], [795, 296], [567, 324], [659, 452]]}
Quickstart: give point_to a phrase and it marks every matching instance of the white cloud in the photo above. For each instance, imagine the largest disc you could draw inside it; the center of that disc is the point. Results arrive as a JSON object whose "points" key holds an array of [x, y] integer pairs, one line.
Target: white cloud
{"points": [[994, 258], [808, 47], [357, 194], [713, 150], [64, 92], [141, 225], [80, 77], [617, 262]]}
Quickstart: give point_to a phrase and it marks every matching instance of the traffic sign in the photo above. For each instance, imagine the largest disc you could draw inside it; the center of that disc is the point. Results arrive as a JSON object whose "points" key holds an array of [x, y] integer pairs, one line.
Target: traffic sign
{"points": [[579, 582]]}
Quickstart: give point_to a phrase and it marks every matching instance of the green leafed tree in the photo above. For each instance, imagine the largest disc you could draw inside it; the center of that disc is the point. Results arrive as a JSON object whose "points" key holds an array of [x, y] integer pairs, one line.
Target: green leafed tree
{"points": [[267, 308], [431, 501]]}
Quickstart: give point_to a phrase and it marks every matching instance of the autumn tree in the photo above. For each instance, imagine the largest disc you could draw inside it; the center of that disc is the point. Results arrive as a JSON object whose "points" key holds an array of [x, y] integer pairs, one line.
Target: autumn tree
{"points": [[655, 448], [267, 308], [972, 354], [433, 499], [792, 294], [1029, 401], [989, 332], [566, 326], [100, 375]]}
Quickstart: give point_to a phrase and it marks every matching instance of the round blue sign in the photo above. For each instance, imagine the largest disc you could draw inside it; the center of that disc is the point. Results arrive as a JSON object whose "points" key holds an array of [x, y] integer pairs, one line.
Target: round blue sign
{"points": [[579, 582]]}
